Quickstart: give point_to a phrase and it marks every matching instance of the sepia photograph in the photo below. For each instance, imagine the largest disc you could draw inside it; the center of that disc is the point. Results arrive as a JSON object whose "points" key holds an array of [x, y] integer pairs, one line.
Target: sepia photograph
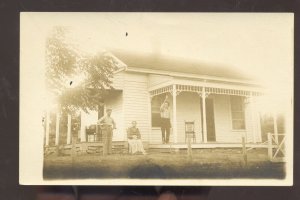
{"points": [[156, 98]]}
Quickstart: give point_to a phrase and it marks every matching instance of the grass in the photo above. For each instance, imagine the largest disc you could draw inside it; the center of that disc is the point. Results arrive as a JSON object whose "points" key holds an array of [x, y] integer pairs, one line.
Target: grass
{"points": [[206, 163]]}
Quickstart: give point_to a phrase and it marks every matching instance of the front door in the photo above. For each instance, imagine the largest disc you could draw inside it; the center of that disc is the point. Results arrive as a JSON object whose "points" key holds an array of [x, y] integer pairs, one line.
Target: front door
{"points": [[210, 120]]}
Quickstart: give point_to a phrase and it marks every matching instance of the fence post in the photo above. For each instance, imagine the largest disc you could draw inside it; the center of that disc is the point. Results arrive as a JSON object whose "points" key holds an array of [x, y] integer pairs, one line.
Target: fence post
{"points": [[270, 148], [189, 147]]}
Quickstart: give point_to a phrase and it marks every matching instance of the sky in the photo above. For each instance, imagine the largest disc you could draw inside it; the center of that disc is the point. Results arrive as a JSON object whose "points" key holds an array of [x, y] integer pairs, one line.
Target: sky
{"points": [[260, 45]]}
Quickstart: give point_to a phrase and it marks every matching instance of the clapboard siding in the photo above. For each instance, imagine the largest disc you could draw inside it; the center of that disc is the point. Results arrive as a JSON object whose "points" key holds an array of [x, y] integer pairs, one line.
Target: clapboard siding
{"points": [[223, 122], [137, 103], [118, 80], [223, 126], [252, 122], [115, 103], [256, 121], [249, 125], [157, 79]]}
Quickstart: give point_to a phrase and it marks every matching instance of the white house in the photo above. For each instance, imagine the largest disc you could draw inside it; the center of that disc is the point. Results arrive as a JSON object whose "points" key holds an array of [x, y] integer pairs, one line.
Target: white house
{"points": [[220, 101]]}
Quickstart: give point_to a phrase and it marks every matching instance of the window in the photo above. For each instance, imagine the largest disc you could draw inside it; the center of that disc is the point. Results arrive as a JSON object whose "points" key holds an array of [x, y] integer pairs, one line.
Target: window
{"points": [[155, 110], [237, 112]]}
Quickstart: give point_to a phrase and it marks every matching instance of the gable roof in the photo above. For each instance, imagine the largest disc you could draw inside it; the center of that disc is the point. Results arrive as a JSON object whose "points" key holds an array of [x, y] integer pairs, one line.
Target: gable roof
{"points": [[176, 64]]}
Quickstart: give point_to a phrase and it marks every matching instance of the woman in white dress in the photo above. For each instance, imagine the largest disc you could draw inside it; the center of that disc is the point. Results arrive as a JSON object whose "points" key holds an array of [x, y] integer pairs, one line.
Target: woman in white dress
{"points": [[134, 140]]}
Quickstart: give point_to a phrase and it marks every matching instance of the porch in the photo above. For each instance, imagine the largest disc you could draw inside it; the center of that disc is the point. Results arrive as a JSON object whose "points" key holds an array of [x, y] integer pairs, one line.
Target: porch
{"points": [[220, 115]]}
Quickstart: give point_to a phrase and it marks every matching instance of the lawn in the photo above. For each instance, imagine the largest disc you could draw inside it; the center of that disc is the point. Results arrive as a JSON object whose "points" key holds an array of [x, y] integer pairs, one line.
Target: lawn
{"points": [[206, 163]]}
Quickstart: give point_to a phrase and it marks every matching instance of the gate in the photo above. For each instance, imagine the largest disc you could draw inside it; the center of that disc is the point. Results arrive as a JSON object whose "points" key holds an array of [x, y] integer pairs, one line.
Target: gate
{"points": [[276, 147]]}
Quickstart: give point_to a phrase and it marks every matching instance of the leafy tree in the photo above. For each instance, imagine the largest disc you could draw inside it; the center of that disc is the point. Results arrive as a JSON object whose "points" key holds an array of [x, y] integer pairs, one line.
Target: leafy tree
{"points": [[77, 80]]}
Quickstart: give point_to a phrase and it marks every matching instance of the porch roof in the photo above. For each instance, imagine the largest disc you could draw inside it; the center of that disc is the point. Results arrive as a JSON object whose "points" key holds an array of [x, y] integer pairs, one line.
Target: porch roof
{"points": [[176, 64], [168, 88]]}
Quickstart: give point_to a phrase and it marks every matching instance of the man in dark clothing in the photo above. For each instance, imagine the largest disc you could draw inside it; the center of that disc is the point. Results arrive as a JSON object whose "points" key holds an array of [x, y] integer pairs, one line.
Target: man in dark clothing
{"points": [[165, 121]]}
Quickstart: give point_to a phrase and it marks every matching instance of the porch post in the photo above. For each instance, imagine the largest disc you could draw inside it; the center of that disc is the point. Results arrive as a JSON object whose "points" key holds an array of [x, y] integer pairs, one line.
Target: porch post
{"points": [[57, 128], [47, 128], [203, 95], [69, 130], [82, 128], [174, 94]]}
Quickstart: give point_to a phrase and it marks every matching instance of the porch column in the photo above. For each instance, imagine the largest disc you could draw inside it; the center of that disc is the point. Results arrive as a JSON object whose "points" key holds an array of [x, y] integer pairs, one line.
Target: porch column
{"points": [[275, 127], [174, 94], [69, 130], [203, 96], [57, 128], [82, 127], [47, 128]]}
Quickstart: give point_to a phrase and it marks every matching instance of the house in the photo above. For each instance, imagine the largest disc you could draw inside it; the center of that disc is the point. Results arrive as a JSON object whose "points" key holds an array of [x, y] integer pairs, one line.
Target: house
{"points": [[218, 100]]}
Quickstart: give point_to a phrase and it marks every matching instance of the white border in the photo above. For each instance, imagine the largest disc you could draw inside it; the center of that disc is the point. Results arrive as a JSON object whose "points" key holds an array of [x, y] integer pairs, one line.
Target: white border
{"points": [[32, 102]]}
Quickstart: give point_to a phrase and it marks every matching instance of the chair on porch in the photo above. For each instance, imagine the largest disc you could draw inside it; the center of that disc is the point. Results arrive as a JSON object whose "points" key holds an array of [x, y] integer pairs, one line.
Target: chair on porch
{"points": [[91, 132], [190, 130]]}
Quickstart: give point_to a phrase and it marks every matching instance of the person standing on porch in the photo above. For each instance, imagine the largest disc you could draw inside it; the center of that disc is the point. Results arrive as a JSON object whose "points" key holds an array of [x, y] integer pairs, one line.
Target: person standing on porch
{"points": [[107, 125], [165, 121]]}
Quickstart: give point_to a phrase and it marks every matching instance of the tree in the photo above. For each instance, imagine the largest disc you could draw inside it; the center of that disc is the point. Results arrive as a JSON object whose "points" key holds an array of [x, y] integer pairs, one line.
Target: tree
{"points": [[77, 80]]}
